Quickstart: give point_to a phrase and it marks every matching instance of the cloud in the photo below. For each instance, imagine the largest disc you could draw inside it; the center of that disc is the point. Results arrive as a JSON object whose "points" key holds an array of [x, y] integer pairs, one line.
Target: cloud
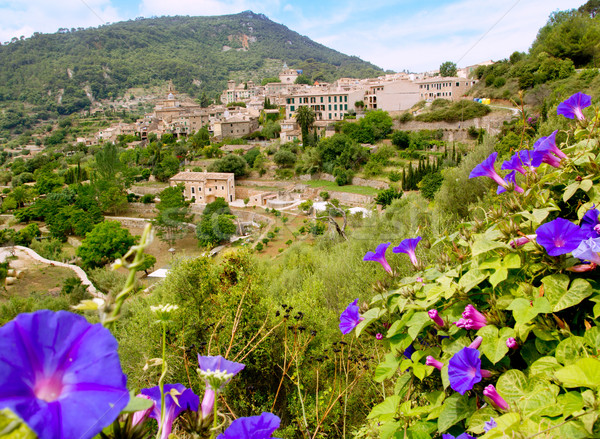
{"points": [[421, 39], [19, 17]]}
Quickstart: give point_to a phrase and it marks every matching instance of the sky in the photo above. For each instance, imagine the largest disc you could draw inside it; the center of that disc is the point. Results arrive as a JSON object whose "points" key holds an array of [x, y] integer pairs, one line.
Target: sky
{"points": [[413, 35]]}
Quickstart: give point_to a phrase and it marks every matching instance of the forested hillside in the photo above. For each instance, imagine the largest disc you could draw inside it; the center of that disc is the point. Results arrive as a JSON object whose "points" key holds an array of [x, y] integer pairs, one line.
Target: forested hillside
{"points": [[61, 72], [563, 59]]}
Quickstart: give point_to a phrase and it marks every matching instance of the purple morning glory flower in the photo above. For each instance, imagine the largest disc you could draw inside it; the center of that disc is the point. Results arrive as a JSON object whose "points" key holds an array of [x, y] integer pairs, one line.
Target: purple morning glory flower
{"points": [[491, 392], [486, 169], [559, 236], [61, 374], [409, 351], [186, 400], [216, 371], [548, 144], [573, 107], [588, 250], [590, 223], [254, 427], [510, 179], [409, 246], [464, 370], [350, 318], [219, 364], [462, 436], [488, 425], [521, 159], [379, 256]]}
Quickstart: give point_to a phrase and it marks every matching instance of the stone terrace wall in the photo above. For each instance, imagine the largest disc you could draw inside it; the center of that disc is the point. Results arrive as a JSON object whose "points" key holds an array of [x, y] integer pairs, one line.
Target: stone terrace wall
{"points": [[492, 123], [356, 181]]}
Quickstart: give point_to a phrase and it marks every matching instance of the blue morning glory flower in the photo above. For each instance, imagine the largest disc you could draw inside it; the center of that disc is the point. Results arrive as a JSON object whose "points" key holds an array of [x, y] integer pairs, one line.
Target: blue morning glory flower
{"points": [[253, 427], [409, 246], [520, 160], [588, 250], [462, 436], [61, 374], [590, 223], [379, 256], [510, 179], [186, 400], [559, 236], [573, 107], [464, 370], [350, 318], [486, 169], [488, 425]]}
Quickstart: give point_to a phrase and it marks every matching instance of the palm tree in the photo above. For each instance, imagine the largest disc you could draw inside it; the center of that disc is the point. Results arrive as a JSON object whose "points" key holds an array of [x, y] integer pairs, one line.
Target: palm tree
{"points": [[305, 116]]}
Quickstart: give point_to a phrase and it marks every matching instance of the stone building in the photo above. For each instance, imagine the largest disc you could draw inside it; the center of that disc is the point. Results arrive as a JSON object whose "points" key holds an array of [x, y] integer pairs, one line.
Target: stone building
{"points": [[205, 187]]}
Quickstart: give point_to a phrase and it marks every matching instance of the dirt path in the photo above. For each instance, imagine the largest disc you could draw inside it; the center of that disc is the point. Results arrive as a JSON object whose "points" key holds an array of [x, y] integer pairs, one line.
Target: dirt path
{"points": [[25, 252]]}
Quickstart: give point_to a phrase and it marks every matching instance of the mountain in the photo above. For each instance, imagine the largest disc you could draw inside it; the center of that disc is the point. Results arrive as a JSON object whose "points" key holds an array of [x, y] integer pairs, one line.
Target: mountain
{"points": [[62, 72]]}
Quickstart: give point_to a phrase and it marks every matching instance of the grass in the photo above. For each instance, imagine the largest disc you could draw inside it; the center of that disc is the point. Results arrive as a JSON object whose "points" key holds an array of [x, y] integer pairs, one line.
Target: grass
{"points": [[332, 186], [39, 278]]}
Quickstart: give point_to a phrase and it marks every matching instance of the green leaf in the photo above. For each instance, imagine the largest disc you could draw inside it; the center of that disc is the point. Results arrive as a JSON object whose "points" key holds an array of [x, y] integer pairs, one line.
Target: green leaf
{"points": [[456, 408], [137, 404], [480, 417], [387, 369], [493, 345], [525, 310], [561, 297], [12, 427], [386, 410], [570, 191], [570, 350], [592, 338], [571, 402], [540, 399], [416, 323], [506, 424], [543, 366], [584, 373], [471, 279], [369, 317], [586, 185], [512, 385], [483, 245]]}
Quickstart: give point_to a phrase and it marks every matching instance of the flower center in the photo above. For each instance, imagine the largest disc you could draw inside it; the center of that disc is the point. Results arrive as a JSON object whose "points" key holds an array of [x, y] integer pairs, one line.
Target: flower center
{"points": [[48, 388], [597, 229], [559, 242]]}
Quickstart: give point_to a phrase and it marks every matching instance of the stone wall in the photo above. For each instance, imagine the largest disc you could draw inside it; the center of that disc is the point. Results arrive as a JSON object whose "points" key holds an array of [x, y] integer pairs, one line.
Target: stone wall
{"points": [[457, 131], [349, 199], [356, 181]]}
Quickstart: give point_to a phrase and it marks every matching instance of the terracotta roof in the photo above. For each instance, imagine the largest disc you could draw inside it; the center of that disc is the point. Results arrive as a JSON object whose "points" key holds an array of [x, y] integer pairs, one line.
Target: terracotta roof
{"points": [[201, 176]]}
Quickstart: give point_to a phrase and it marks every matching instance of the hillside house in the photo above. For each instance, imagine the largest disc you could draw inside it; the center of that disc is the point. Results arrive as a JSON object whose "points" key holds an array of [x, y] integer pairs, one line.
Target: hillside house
{"points": [[205, 187], [235, 127], [329, 104], [451, 88]]}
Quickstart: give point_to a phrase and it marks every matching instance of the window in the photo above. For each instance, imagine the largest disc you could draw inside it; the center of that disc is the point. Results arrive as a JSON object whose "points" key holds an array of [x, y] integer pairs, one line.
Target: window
{"points": [[335, 107], [335, 99], [222, 188], [292, 108], [329, 115], [321, 99], [346, 98], [209, 190], [458, 84], [329, 98], [329, 107], [345, 106]]}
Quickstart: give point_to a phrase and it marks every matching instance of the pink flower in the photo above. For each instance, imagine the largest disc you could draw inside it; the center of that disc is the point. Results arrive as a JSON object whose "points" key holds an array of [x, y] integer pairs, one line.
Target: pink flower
{"points": [[497, 400], [472, 319], [476, 343], [433, 314], [511, 343], [379, 336], [522, 240], [430, 361]]}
